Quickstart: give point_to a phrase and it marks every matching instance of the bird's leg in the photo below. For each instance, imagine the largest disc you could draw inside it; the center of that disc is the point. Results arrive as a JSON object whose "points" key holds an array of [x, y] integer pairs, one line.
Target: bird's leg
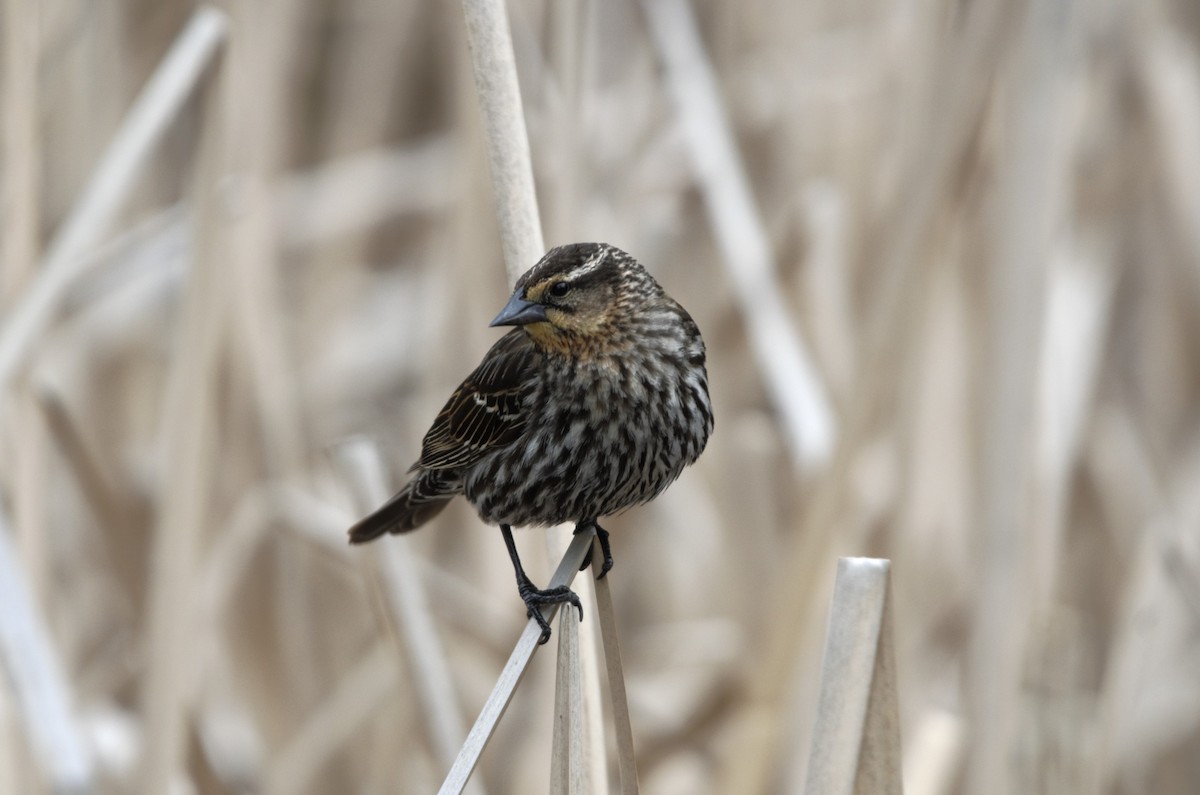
{"points": [[602, 535], [535, 598]]}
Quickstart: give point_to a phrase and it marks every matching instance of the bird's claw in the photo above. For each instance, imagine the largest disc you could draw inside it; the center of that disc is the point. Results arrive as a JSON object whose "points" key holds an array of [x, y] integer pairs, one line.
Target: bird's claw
{"points": [[536, 598], [605, 548]]}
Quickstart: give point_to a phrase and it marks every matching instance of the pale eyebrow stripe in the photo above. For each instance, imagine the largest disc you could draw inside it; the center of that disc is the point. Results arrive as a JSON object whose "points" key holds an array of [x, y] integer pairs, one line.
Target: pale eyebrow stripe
{"points": [[588, 266]]}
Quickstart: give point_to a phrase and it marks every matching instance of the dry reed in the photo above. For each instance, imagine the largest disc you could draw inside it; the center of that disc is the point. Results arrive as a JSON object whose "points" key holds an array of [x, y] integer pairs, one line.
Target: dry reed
{"points": [[969, 230]]}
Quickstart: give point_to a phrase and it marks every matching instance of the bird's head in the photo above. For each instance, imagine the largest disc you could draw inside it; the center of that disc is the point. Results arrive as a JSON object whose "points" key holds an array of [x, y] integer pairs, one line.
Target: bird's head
{"points": [[579, 298]]}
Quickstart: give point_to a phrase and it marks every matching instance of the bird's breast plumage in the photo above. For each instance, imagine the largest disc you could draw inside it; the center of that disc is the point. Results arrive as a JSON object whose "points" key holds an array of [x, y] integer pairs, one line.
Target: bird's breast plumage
{"points": [[602, 432]]}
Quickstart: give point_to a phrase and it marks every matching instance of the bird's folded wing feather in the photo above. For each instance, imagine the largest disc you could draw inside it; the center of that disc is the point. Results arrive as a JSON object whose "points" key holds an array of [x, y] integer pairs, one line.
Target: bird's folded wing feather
{"points": [[487, 411]]}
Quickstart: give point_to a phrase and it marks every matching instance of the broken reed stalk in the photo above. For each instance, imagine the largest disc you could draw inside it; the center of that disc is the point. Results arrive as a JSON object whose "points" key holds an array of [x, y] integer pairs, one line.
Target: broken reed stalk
{"points": [[856, 742], [510, 676], [568, 760], [606, 618], [568, 767]]}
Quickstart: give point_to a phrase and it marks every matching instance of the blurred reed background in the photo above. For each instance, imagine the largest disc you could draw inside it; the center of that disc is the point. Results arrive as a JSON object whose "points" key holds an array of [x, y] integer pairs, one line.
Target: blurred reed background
{"points": [[982, 220]]}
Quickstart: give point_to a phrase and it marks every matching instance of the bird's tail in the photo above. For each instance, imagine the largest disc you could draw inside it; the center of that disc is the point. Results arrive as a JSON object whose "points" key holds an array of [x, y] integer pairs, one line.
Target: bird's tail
{"points": [[422, 499]]}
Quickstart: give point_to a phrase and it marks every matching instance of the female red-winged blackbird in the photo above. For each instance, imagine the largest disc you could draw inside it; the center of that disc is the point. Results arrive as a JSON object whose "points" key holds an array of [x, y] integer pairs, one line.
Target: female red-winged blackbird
{"points": [[594, 403]]}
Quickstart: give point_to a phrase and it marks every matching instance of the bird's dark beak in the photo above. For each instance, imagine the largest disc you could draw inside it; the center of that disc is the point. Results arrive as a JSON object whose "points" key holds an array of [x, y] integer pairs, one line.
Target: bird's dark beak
{"points": [[519, 312]]}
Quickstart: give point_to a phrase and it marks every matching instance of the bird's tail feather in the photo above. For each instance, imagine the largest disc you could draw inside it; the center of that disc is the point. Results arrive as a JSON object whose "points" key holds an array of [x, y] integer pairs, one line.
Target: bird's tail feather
{"points": [[422, 499]]}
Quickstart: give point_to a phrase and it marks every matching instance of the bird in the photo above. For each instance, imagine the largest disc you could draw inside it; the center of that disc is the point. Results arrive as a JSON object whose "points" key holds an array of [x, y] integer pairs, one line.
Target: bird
{"points": [[594, 402]]}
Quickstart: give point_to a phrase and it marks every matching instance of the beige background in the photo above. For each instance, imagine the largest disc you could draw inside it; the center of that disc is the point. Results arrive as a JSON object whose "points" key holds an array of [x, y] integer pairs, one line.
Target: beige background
{"points": [[984, 223]]}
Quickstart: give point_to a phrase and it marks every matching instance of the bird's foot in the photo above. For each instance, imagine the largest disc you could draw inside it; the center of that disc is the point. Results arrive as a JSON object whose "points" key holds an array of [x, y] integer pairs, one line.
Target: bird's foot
{"points": [[536, 598], [605, 548]]}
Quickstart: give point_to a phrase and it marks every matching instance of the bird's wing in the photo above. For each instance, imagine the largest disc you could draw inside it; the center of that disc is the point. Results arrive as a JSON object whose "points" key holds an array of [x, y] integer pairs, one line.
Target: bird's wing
{"points": [[487, 411]]}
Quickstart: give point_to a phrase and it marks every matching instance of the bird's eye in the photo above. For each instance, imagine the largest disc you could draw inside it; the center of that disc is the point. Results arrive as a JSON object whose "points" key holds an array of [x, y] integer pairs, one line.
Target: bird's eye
{"points": [[559, 289]]}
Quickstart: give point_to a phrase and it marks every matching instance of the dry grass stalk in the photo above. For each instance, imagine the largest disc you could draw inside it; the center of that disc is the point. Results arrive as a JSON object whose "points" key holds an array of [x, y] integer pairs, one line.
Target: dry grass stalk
{"points": [[19, 189], [495, 72], [96, 484], [1030, 198], [256, 118], [12, 765], [797, 389], [93, 213], [189, 420], [397, 575], [39, 681]]}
